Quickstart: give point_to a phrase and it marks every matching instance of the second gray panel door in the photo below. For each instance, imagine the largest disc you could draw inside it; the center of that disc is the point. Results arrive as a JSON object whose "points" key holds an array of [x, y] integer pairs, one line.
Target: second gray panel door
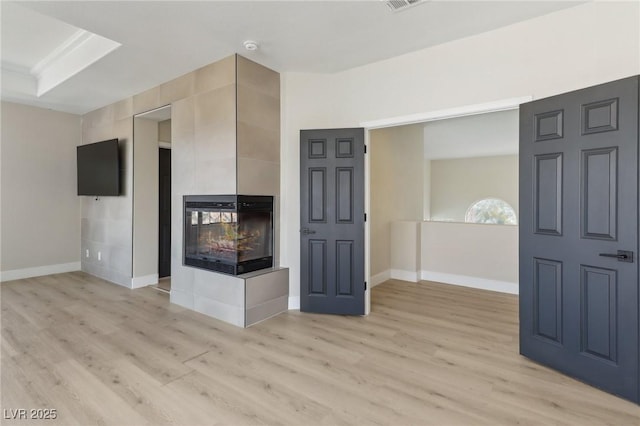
{"points": [[579, 234]]}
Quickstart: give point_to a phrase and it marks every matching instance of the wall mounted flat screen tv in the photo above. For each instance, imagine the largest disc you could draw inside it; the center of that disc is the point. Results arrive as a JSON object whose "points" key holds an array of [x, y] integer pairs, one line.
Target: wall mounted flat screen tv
{"points": [[99, 168]]}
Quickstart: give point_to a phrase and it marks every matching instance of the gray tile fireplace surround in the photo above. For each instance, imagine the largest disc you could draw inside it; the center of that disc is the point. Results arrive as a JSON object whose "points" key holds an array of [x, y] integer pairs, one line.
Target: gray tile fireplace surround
{"points": [[241, 300]]}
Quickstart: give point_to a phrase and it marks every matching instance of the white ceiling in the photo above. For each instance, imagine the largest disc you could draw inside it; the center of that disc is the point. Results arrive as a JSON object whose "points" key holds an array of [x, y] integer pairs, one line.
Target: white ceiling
{"points": [[24, 28], [162, 40]]}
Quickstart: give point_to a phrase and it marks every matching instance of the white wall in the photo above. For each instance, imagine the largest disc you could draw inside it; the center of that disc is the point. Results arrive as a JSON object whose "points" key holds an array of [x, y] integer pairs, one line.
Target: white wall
{"points": [[40, 209], [164, 131], [476, 255], [396, 186], [480, 135], [406, 164], [406, 249], [426, 196], [460, 182], [578, 47], [380, 148]]}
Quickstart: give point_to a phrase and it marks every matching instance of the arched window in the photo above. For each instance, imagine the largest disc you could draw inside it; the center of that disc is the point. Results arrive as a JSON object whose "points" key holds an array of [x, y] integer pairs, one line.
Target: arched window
{"points": [[491, 210]]}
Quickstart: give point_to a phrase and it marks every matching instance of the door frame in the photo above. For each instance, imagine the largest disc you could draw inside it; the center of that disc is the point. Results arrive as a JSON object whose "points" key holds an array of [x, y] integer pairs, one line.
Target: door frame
{"points": [[423, 117]]}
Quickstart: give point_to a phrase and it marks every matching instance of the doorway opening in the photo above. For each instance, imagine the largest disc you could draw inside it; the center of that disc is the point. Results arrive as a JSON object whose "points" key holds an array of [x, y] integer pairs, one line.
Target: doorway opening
{"points": [[164, 215], [423, 174], [152, 199]]}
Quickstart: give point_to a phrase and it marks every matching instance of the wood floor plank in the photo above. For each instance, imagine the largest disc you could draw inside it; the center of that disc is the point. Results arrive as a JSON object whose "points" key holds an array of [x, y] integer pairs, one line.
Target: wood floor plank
{"points": [[19, 391], [155, 359], [429, 354], [97, 399]]}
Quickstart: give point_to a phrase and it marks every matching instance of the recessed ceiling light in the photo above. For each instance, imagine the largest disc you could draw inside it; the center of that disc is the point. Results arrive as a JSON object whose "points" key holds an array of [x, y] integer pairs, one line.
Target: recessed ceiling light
{"points": [[250, 45]]}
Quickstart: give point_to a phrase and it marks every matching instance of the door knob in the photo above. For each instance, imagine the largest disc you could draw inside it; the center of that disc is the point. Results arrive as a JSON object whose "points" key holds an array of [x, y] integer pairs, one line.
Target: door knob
{"points": [[621, 255], [307, 231]]}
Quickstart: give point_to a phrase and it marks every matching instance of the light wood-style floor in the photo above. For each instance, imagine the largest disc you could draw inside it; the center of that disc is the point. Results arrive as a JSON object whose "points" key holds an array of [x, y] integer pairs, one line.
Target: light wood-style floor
{"points": [[428, 354]]}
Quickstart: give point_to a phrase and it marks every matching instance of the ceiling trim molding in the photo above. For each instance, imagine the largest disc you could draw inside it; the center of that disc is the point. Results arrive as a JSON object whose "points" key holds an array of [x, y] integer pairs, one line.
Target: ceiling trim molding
{"points": [[59, 52], [74, 55], [462, 111]]}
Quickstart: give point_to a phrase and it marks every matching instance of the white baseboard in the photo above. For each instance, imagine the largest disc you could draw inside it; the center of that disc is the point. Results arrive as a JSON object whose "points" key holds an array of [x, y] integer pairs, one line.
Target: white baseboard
{"points": [[473, 282], [294, 302], [411, 276], [38, 271], [380, 278], [144, 281]]}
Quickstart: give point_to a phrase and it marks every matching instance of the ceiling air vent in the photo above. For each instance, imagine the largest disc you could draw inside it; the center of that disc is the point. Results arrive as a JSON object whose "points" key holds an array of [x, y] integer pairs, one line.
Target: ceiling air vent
{"points": [[398, 5]]}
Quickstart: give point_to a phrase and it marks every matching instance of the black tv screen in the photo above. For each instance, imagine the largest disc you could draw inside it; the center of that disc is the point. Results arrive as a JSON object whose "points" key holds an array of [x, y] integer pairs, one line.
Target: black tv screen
{"points": [[99, 168]]}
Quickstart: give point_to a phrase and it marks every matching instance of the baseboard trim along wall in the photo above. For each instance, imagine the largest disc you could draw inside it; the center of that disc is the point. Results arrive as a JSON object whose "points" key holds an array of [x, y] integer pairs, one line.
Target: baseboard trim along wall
{"points": [[411, 276], [473, 282], [38, 271], [139, 282], [380, 278], [294, 302]]}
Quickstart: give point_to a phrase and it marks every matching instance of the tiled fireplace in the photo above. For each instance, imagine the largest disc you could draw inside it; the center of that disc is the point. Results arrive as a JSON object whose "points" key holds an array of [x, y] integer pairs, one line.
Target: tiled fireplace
{"points": [[228, 245]]}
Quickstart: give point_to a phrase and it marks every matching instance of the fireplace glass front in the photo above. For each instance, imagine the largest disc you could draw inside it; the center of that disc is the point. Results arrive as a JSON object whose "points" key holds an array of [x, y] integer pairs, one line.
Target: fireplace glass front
{"points": [[232, 234]]}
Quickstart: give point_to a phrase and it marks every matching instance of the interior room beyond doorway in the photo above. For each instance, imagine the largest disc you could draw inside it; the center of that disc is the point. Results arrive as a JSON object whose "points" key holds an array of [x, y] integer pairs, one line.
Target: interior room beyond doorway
{"points": [[444, 201]]}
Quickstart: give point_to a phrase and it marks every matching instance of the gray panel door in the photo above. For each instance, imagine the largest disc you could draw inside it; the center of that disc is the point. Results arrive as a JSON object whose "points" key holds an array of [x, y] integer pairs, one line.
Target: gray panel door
{"points": [[332, 221], [579, 234]]}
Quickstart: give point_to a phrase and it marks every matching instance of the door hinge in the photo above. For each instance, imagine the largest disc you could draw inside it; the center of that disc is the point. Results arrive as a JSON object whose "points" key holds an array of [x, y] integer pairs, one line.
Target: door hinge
{"points": [[365, 149], [365, 285], [365, 217]]}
